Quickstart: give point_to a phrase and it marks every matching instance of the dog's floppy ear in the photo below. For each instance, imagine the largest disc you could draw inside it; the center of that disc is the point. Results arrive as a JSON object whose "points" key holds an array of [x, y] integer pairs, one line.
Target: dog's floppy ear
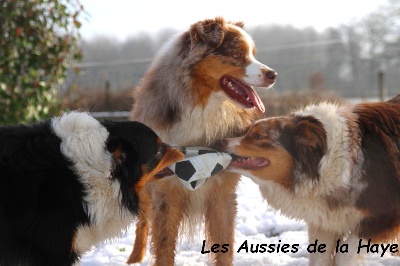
{"points": [[305, 140], [210, 32]]}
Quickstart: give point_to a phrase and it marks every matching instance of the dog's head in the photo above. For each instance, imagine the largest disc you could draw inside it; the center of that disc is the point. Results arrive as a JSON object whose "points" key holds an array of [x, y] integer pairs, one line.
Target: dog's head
{"points": [[203, 81], [113, 159], [228, 63], [138, 152], [280, 149]]}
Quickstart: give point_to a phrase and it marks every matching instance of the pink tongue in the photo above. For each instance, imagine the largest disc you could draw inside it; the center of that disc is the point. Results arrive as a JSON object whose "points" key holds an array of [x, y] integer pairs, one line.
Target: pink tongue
{"points": [[164, 172], [255, 99]]}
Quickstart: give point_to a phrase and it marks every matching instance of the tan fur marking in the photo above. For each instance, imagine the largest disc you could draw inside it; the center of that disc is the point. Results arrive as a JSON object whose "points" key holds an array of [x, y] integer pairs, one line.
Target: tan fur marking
{"points": [[171, 156]]}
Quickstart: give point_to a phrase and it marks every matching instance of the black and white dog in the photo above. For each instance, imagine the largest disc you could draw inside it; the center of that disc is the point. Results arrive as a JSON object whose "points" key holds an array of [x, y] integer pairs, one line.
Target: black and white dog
{"points": [[71, 182]]}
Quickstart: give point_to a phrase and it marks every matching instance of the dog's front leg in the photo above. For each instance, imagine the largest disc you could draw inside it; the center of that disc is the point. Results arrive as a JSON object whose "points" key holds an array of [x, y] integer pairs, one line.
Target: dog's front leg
{"points": [[350, 257], [221, 210], [323, 237], [167, 213], [142, 230]]}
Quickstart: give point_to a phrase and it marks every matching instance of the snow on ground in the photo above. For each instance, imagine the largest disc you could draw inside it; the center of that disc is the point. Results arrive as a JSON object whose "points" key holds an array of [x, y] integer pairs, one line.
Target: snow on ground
{"points": [[256, 223]]}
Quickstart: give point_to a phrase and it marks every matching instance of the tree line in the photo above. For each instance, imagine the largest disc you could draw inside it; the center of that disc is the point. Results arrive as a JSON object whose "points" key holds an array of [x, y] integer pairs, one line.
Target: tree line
{"points": [[346, 59], [40, 41]]}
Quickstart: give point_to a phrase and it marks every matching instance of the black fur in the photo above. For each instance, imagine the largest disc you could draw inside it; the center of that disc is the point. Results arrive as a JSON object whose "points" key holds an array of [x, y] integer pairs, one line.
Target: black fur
{"points": [[138, 144]]}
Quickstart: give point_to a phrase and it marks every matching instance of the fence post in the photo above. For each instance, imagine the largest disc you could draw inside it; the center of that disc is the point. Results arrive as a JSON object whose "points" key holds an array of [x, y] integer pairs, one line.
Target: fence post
{"points": [[381, 85], [107, 95]]}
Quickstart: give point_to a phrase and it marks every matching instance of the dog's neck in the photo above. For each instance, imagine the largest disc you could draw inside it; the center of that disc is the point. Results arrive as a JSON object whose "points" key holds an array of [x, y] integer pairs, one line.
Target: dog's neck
{"points": [[197, 125]]}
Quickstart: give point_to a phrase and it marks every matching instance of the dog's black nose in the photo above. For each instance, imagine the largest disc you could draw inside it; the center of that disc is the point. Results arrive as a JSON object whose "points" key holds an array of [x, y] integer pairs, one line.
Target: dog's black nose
{"points": [[271, 74]]}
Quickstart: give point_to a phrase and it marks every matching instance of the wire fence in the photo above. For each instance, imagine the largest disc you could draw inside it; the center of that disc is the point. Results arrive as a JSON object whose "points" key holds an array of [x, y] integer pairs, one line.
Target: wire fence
{"points": [[307, 65]]}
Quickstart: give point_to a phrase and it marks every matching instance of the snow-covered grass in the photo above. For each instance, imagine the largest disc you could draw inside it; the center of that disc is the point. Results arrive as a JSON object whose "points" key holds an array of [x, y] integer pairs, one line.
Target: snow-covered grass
{"points": [[256, 223]]}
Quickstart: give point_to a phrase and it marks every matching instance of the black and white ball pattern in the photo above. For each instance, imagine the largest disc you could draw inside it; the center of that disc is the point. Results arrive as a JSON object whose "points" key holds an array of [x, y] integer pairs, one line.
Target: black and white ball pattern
{"points": [[199, 164]]}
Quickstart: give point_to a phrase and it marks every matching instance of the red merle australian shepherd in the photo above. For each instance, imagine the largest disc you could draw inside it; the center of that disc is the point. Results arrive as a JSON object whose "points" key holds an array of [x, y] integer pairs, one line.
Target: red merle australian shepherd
{"points": [[71, 182], [199, 89], [335, 167]]}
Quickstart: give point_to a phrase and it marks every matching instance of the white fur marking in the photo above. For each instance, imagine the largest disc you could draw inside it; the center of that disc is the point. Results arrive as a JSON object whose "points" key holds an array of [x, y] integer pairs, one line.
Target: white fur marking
{"points": [[219, 108], [254, 71], [336, 168], [84, 143], [254, 74]]}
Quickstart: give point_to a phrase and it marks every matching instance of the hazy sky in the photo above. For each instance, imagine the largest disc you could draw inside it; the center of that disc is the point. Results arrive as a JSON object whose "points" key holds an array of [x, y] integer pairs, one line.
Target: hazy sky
{"points": [[122, 18]]}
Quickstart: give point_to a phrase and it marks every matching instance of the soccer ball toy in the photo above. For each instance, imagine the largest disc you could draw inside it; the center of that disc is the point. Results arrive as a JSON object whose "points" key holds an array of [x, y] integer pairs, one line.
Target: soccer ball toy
{"points": [[198, 165]]}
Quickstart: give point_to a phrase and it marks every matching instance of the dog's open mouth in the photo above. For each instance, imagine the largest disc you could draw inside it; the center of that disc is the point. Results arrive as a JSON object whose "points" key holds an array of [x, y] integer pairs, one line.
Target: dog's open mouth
{"points": [[242, 93], [248, 162]]}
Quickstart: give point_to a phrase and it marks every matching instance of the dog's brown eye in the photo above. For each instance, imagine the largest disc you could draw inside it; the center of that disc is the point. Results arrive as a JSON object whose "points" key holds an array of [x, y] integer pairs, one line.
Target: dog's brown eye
{"points": [[257, 136], [237, 56]]}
